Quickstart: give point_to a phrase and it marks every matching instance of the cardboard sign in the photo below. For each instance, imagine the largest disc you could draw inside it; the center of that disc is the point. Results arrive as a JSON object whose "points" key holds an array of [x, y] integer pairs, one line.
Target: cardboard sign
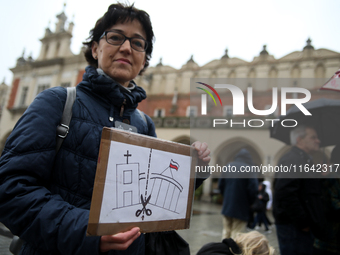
{"points": [[141, 181]]}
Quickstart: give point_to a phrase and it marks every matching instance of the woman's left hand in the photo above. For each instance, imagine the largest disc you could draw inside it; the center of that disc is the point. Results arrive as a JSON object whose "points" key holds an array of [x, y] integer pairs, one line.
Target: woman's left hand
{"points": [[202, 151]]}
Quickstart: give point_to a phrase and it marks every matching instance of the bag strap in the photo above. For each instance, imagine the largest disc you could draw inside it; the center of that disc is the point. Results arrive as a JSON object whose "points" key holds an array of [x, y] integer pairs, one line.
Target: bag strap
{"points": [[62, 131], [142, 115], [63, 127]]}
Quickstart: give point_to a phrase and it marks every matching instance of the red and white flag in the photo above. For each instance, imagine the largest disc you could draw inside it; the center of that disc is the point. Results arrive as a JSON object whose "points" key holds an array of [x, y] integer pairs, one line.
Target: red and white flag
{"points": [[333, 83], [174, 165]]}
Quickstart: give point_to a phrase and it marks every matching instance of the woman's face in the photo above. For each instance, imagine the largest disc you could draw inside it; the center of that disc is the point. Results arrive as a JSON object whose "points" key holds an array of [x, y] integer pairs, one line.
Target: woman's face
{"points": [[121, 62]]}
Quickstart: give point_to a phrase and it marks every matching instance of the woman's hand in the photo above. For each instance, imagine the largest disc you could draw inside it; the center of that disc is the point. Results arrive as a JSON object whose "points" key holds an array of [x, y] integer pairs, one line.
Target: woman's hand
{"points": [[203, 152], [120, 241]]}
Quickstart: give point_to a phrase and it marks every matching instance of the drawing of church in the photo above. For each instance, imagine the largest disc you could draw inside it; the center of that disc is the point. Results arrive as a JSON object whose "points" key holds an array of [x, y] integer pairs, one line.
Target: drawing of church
{"points": [[165, 190], [128, 179], [128, 192]]}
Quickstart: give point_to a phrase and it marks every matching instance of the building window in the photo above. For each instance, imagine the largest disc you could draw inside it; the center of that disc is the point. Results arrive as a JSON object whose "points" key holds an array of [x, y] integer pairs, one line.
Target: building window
{"points": [[191, 111], [23, 97], [227, 111], [294, 94], [159, 113], [57, 50], [127, 178], [46, 52], [65, 84], [42, 87]]}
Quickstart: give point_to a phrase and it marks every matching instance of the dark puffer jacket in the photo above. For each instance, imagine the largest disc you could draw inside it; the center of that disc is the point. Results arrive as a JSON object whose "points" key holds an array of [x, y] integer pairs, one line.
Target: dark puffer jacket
{"points": [[47, 204], [299, 201], [239, 189]]}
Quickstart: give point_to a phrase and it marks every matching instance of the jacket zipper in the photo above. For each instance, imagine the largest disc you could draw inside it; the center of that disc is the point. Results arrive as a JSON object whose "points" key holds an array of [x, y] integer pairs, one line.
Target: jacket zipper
{"points": [[122, 108]]}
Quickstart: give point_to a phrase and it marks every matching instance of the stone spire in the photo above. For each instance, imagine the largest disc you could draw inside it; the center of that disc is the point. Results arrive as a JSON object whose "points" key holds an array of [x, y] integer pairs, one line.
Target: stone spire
{"points": [[57, 44], [225, 54], [21, 61], [190, 64], [60, 26], [308, 45], [71, 25], [191, 60], [160, 62], [30, 58], [48, 30], [264, 51]]}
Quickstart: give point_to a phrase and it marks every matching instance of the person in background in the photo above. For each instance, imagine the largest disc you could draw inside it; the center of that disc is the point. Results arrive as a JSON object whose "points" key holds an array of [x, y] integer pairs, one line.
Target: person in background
{"points": [[331, 191], [270, 194], [238, 195], [270, 201], [268, 207], [45, 198], [261, 204], [297, 201]]}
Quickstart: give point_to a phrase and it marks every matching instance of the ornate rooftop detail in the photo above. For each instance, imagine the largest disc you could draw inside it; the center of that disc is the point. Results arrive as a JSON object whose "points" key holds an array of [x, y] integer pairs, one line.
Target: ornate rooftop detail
{"points": [[21, 61], [225, 54], [160, 62], [191, 60], [264, 51], [309, 45]]}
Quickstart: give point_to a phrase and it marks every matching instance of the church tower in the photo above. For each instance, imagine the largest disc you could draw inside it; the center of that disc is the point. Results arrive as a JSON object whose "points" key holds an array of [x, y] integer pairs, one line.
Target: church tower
{"points": [[57, 44]]}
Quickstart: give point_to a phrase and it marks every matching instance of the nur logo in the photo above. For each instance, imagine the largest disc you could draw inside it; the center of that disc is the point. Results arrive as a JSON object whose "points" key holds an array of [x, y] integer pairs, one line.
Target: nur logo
{"points": [[239, 99], [204, 97]]}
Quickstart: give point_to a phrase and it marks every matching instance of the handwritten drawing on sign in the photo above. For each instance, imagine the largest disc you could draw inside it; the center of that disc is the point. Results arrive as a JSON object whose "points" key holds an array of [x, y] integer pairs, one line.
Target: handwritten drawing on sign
{"points": [[144, 184]]}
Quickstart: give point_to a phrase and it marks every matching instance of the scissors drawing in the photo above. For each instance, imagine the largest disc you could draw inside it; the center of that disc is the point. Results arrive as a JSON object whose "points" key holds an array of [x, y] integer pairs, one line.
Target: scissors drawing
{"points": [[148, 212]]}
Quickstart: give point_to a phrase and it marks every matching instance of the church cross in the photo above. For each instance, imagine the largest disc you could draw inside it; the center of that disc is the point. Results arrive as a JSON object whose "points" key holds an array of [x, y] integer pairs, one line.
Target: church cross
{"points": [[127, 155]]}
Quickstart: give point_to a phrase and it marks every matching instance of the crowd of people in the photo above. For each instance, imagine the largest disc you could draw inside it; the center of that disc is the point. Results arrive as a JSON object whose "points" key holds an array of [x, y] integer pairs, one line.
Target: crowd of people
{"points": [[305, 210], [303, 207]]}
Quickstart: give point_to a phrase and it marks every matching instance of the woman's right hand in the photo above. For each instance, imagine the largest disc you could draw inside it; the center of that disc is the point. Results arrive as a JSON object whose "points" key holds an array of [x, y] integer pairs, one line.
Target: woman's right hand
{"points": [[120, 241]]}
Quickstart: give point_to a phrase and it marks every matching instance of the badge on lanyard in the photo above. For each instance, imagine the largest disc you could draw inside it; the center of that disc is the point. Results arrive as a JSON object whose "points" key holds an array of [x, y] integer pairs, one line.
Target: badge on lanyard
{"points": [[124, 126]]}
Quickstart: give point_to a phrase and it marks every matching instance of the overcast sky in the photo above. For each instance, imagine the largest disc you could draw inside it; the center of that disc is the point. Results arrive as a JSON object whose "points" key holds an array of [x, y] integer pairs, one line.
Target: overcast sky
{"points": [[182, 28]]}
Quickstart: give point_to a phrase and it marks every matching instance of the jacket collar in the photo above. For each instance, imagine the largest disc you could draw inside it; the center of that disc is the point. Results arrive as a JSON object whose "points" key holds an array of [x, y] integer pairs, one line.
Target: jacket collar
{"points": [[131, 86], [109, 88], [303, 154]]}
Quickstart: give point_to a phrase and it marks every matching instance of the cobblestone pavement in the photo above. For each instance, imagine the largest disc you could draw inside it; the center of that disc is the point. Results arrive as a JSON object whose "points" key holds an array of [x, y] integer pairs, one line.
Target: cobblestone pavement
{"points": [[206, 226]]}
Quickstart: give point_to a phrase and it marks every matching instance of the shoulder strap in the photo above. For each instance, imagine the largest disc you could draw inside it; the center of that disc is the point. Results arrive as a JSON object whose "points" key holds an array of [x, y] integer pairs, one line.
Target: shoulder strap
{"points": [[62, 131], [142, 115], [63, 127]]}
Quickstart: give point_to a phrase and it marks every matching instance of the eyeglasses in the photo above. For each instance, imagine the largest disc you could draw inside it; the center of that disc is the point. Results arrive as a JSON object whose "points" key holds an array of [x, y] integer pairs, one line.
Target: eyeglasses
{"points": [[116, 38]]}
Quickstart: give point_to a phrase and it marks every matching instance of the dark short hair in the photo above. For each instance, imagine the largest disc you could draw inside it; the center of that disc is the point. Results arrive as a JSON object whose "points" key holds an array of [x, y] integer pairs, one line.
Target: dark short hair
{"points": [[299, 131], [119, 13]]}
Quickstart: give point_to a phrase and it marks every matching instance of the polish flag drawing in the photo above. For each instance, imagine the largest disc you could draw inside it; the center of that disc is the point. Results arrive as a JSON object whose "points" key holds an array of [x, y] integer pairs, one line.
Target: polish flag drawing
{"points": [[333, 83], [174, 165]]}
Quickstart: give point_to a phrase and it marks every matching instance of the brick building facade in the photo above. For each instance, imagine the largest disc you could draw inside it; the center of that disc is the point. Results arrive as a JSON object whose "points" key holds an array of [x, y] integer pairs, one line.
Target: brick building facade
{"points": [[170, 101]]}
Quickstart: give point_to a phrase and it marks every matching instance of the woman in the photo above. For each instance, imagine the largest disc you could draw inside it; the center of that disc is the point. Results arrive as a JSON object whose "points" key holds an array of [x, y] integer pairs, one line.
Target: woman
{"points": [[45, 198], [252, 243]]}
